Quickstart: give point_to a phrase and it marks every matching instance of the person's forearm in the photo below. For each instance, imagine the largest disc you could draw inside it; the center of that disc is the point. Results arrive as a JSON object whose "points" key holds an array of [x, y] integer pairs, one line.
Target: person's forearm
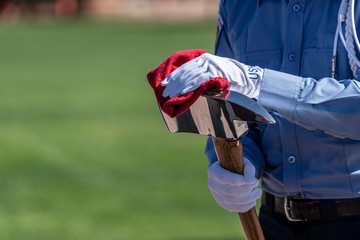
{"points": [[325, 104]]}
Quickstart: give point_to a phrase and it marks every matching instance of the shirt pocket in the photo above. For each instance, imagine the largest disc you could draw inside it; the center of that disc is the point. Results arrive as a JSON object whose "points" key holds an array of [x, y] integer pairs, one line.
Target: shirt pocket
{"points": [[316, 63], [264, 59]]}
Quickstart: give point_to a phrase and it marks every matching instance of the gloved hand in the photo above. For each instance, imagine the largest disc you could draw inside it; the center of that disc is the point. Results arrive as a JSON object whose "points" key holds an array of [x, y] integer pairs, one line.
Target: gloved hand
{"points": [[189, 76], [234, 192]]}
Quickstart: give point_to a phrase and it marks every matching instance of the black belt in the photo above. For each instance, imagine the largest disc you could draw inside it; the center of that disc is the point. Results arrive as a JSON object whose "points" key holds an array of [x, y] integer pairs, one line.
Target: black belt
{"points": [[296, 209]]}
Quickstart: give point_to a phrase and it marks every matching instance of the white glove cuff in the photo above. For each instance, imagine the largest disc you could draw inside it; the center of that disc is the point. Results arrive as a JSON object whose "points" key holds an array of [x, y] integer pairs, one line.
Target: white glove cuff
{"points": [[253, 76]]}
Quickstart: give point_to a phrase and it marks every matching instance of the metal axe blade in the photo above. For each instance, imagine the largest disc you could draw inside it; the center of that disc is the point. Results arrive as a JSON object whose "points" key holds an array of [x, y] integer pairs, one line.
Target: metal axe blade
{"points": [[223, 116]]}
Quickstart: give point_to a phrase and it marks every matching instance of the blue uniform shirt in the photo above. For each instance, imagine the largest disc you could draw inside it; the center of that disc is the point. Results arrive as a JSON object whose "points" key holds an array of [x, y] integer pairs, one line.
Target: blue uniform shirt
{"points": [[313, 151]]}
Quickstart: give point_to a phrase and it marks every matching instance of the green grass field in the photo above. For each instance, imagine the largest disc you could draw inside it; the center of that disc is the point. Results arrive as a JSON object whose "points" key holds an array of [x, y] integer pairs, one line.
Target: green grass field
{"points": [[84, 152]]}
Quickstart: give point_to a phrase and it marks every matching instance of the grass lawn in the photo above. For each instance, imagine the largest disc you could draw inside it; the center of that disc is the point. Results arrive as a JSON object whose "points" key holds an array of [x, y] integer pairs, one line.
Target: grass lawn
{"points": [[84, 153]]}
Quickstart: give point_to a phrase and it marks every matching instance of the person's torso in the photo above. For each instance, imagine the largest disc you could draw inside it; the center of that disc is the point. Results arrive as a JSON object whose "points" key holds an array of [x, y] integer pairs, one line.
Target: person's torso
{"points": [[296, 37]]}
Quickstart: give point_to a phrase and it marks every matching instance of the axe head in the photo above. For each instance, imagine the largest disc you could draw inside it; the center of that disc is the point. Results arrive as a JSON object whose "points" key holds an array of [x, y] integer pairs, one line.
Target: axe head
{"points": [[223, 116]]}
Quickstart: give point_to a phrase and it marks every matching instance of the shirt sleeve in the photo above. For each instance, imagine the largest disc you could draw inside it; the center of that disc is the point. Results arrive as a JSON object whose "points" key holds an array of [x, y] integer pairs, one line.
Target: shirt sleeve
{"points": [[252, 149], [326, 104], [222, 44]]}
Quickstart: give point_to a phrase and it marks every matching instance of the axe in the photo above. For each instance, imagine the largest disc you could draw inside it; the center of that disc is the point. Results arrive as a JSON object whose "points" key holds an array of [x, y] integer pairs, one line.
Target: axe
{"points": [[224, 116]]}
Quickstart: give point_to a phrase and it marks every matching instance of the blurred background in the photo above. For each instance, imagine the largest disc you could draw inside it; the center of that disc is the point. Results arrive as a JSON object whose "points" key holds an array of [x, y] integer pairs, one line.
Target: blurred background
{"points": [[84, 151]]}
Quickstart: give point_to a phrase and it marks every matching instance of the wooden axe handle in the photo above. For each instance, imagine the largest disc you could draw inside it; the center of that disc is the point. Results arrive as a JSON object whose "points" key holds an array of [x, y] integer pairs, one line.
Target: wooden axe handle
{"points": [[230, 154]]}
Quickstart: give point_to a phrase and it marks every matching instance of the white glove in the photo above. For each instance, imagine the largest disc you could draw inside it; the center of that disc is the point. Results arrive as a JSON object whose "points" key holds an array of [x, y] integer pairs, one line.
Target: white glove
{"points": [[189, 76], [234, 192]]}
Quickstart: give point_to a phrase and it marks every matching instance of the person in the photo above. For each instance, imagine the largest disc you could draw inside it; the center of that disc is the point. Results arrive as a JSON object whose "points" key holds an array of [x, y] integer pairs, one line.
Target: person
{"points": [[307, 77]]}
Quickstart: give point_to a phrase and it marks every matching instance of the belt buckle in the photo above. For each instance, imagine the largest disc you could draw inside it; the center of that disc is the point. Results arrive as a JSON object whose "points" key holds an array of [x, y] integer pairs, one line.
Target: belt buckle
{"points": [[288, 213]]}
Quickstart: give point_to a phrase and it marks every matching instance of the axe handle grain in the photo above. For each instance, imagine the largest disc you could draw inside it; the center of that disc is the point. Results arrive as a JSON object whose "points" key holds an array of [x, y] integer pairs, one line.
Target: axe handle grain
{"points": [[230, 154]]}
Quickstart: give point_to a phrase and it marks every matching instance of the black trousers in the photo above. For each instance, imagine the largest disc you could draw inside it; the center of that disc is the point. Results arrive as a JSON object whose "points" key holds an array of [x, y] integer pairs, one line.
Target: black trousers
{"points": [[277, 227]]}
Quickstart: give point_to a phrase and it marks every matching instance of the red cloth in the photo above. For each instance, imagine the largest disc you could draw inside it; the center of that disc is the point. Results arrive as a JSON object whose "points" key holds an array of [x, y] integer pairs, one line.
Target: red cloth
{"points": [[177, 105]]}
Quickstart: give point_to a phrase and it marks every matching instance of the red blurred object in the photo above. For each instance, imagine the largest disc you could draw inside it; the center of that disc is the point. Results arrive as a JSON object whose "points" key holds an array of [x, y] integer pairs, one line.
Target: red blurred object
{"points": [[18, 9], [66, 8], [9, 9]]}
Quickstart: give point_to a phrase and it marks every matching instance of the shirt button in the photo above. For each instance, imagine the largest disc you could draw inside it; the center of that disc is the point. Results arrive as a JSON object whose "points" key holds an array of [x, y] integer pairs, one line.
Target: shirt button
{"points": [[291, 159], [296, 7], [292, 57]]}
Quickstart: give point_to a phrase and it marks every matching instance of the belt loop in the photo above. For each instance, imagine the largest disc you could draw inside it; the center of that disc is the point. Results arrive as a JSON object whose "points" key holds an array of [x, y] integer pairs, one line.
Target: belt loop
{"points": [[328, 210], [268, 201]]}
